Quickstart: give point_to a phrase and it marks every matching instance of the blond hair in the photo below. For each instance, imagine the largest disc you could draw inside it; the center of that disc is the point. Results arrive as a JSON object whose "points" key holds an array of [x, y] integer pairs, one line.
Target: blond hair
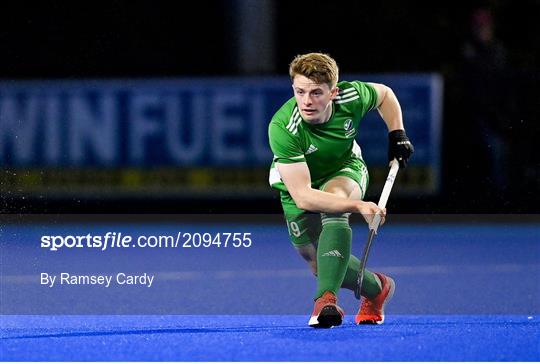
{"points": [[318, 67]]}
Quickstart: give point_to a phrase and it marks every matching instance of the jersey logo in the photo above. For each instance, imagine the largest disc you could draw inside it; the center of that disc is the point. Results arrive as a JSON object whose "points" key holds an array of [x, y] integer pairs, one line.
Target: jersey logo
{"points": [[311, 149], [349, 129]]}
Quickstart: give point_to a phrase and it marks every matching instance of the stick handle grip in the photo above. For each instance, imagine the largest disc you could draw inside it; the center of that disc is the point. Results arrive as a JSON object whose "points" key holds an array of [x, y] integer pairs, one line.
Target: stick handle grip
{"points": [[394, 167]]}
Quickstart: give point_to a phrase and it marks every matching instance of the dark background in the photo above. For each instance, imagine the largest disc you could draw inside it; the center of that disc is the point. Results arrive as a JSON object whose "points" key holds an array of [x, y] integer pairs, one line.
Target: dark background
{"points": [[140, 39]]}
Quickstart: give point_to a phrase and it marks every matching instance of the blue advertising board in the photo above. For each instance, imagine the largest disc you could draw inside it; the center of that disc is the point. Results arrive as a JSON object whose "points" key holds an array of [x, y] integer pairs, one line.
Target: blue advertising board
{"points": [[184, 123]]}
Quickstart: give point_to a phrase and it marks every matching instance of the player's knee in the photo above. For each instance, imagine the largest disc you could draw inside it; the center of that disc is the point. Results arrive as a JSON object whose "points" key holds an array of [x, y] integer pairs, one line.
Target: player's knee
{"points": [[313, 267], [309, 253]]}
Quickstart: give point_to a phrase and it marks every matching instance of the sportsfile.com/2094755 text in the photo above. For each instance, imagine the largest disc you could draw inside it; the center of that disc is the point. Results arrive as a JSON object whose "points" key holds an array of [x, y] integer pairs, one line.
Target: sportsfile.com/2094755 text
{"points": [[119, 240]]}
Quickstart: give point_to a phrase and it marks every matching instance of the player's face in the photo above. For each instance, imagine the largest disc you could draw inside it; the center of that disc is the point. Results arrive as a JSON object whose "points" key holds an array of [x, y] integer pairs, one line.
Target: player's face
{"points": [[314, 100]]}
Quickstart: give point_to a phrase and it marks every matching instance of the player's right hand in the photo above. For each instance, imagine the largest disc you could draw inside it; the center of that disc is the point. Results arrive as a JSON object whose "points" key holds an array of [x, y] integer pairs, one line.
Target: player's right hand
{"points": [[369, 210]]}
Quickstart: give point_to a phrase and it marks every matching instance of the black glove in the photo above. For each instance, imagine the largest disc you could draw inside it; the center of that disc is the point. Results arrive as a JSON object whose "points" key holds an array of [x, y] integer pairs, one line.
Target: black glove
{"points": [[399, 147]]}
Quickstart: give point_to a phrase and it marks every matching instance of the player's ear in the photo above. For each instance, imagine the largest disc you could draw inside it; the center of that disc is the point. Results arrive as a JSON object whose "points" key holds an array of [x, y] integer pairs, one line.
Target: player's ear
{"points": [[333, 92]]}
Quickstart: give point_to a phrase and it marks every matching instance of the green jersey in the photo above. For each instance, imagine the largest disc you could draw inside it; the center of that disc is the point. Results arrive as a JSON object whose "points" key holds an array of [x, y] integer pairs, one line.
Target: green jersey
{"points": [[324, 147]]}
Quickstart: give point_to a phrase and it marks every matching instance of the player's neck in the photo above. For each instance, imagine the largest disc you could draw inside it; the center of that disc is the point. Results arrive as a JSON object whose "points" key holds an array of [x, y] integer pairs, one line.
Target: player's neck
{"points": [[329, 113]]}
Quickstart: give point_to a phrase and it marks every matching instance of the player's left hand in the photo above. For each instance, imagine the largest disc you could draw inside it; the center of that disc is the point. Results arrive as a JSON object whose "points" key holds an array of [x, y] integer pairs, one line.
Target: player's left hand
{"points": [[369, 210], [399, 147]]}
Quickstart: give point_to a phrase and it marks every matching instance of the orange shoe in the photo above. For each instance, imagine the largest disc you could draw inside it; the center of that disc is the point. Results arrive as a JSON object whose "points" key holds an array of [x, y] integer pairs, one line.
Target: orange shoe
{"points": [[372, 310], [326, 312]]}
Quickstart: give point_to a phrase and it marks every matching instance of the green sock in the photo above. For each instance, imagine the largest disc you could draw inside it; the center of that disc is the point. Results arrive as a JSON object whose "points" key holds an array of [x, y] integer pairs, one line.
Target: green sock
{"points": [[371, 285], [333, 253]]}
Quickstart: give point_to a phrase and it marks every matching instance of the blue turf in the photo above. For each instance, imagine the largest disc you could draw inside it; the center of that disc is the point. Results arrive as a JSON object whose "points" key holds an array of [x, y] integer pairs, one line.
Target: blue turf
{"points": [[269, 338], [464, 293]]}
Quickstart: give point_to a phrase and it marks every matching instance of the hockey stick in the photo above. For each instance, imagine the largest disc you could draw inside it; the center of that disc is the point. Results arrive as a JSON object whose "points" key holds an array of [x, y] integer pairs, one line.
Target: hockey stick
{"points": [[374, 224]]}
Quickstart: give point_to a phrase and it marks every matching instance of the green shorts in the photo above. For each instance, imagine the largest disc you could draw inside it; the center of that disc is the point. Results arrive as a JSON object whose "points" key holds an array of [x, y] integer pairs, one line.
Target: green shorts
{"points": [[304, 226]]}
